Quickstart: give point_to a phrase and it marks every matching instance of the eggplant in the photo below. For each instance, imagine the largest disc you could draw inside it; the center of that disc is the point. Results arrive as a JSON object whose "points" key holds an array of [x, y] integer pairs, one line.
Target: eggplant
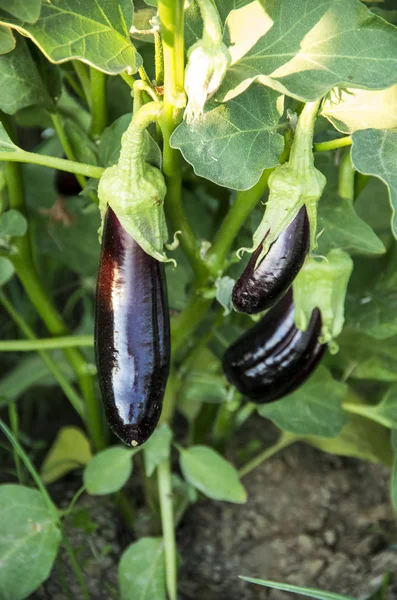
{"points": [[273, 358], [259, 288], [66, 184], [132, 334]]}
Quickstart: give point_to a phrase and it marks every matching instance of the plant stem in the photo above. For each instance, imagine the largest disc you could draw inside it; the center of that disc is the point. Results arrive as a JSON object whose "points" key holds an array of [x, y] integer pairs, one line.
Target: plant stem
{"points": [[84, 79], [333, 144], [212, 29], [243, 205], [20, 156], [64, 384], [360, 183], [128, 79], [186, 322], [67, 148], [99, 108], [286, 439], [33, 343], [171, 19], [158, 58], [346, 178], [14, 422], [370, 412], [167, 521]]}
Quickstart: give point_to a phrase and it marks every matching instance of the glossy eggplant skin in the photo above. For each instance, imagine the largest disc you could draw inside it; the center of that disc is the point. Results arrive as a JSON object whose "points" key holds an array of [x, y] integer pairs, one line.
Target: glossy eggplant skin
{"points": [[274, 358], [259, 289], [66, 184], [132, 334]]}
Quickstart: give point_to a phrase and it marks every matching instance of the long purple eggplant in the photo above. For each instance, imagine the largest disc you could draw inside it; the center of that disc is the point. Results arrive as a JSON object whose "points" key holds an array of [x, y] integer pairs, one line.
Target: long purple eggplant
{"points": [[258, 289], [132, 334], [274, 358]]}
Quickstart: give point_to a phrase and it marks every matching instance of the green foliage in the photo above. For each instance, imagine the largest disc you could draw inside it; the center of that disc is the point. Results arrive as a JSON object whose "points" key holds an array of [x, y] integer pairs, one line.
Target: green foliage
{"points": [[29, 541], [303, 591], [108, 471], [141, 571]]}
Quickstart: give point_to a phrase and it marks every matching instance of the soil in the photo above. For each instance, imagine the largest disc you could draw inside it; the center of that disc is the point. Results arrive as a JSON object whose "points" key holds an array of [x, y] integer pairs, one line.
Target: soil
{"points": [[311, 519]]}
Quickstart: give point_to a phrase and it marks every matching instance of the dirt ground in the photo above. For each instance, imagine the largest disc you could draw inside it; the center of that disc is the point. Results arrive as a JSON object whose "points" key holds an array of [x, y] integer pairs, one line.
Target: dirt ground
{"points": [[311, 519]]}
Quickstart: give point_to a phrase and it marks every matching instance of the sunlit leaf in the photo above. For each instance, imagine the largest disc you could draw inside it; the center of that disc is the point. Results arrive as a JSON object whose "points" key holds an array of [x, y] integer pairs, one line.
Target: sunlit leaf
{"points": [[142, 570], [7, 40], [232, 143], [70, 450], [96, 33]]}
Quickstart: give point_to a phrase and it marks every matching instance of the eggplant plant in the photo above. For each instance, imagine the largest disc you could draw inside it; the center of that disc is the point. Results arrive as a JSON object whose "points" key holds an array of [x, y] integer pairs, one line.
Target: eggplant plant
{"points": [[204, 237]]}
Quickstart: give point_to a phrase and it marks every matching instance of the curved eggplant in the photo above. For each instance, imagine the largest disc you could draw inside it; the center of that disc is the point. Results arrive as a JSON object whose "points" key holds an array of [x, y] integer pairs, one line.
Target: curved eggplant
{"points": [[132, 334], [258, 289], [66, 184], [273, 358]]}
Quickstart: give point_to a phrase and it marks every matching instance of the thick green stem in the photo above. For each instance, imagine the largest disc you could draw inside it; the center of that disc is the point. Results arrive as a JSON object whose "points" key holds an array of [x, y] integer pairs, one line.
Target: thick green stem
{"points": [[285, 440], [84, 79], [243, 205], [301, 156], [333, 144], [168, 526], [64, 384], [171, 18], [67, 148], [20, 156], [346, 178], [32, 344], [99, 107]]}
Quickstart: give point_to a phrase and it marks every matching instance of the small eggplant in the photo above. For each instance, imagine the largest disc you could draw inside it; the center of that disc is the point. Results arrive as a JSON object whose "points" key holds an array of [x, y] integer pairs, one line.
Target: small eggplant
{"points": [[273, 358], [132, 334], [259, 288], [66, 184]]}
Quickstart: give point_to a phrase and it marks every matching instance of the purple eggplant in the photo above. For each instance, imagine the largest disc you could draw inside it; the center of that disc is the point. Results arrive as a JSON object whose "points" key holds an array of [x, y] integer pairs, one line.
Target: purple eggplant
{"points": [[132, 334], [259, 288], [66, 184], [274, 358]]}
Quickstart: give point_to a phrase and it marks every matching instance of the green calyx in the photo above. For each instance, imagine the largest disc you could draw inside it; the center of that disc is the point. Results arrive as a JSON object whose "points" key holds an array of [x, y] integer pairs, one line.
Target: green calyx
{"points": [[208, 60], [322, 283], [295, 184], [135, 190]]}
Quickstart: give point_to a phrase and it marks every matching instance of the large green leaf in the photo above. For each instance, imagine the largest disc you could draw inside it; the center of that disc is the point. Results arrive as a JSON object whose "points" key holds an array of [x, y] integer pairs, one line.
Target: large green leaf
{"points": [[29, 541], [142, 571], [307, 50], [314, 409], [95, 32], [375, 153], [211, 474], [7, 40], [231, 144], [365, 357], [373, 313], [20, 81], [351, 110], [25, 10], [303, 591]]}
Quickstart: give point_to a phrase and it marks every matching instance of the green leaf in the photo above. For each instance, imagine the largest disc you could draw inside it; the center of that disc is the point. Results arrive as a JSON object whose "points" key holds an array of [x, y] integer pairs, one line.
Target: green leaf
{"points": [[7, 40], [375, 153], [393, 485], [309, 592], [224, 287], [314, 409], [6, 270], [20, 81], [25, 10], [108, 471], [373, 313], [70, 450], [211, 474], [157, 448], [29, 541], [231, 144], [350, 110], [6, 145], [142, 571], [332, 42], [96, 33], [12, 223], [365, 357], [28, 372], [387, 408]]}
